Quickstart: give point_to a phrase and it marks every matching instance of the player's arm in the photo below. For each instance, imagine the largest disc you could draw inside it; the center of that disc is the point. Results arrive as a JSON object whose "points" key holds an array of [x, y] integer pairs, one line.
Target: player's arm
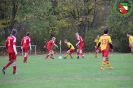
{"points": [[129, 43], [6, 44], [110, 43], [69, 47], [98, 45], [30, 44], [55, 45], [45, 46], [22, 43], [78, 43], [14, 46], [95, 42]]}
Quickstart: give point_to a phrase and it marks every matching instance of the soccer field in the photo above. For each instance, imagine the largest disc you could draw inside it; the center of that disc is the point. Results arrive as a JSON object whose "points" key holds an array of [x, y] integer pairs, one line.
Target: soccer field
{"points": [[69, 73]]}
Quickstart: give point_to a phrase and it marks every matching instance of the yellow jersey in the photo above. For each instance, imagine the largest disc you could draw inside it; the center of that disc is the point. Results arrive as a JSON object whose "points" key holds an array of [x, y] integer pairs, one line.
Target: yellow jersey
{"points": [[131, 40], [105, 40], [69, 44], [96, 41]]}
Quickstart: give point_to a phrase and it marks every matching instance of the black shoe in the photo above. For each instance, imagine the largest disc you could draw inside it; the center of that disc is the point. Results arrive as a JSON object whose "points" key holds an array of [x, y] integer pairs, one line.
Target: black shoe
{"points": [[64, 57], [3, 70], [52, 58], [77, 57], [15, 73]]}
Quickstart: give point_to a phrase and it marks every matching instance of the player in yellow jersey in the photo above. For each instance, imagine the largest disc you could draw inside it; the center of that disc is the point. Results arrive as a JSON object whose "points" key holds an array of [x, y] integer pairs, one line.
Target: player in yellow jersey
{"points": [[130, 41], [104, 42], [96, 44], [70, 49]]}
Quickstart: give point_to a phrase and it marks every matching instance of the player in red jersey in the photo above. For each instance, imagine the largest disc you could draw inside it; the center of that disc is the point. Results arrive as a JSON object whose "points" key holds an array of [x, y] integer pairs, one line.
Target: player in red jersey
{"points": [[12, 52], [48, 46], [80, 45], [25, 44]]}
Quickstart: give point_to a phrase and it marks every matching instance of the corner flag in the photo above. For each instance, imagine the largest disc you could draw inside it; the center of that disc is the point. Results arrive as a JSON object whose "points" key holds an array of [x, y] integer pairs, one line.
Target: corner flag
{"points": [[60, 46]]}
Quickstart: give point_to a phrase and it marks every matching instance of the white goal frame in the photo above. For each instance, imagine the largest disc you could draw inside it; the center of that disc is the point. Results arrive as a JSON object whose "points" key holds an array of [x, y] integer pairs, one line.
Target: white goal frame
{"points": [[22, 49]]}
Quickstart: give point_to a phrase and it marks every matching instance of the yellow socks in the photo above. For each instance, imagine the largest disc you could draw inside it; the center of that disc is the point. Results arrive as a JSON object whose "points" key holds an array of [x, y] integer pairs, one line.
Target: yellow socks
{"points": [[108, 63], [71, 55], [66, 55], [103, 63]]}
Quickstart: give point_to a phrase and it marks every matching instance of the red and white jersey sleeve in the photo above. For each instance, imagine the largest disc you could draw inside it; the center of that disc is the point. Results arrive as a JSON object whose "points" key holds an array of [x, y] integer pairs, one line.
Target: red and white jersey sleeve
{"points": [[25, 42], [50, 43], [79, 38]]}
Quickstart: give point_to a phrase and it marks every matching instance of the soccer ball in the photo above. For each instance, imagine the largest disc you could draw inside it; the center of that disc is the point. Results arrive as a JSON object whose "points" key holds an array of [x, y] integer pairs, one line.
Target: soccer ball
{"points": [[60, 57]]}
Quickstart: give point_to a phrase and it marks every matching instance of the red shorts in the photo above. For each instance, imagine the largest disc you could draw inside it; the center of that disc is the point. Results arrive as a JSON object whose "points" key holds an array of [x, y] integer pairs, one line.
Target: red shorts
{"points": [[12, 56], [81, 46], [49, 49], [71, 50], [25, 50], [105, 53]]}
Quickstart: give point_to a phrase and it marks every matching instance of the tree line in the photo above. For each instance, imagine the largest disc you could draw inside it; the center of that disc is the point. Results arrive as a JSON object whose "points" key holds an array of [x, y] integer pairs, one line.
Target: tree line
{"points": [[62, 19]]}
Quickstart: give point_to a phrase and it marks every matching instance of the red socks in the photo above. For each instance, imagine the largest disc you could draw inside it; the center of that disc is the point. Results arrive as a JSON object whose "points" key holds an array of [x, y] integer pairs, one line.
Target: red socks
{"points": [[14, 69], [25, 59], [82, 55], [47, 57], [51, 56], [8, 64], [77, 53]]}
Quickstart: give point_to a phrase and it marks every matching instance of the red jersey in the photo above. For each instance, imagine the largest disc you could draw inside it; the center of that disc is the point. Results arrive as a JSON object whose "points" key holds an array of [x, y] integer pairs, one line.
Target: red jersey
{"points": [[25, 42], [10, 41], [50, 43], [79, 38]]}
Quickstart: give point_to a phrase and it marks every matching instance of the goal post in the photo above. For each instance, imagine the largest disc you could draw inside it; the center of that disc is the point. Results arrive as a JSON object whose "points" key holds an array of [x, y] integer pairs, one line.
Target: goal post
{"points": [[35, 52]]}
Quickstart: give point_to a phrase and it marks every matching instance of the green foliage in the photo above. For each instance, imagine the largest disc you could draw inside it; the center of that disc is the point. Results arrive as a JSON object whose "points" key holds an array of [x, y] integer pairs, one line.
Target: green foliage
{"points": [[118, 28], [63, 18]]}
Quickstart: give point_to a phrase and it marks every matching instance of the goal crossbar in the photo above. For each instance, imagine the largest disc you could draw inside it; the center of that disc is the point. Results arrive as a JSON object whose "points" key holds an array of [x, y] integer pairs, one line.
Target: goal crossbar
{"points": [[22, 50]]}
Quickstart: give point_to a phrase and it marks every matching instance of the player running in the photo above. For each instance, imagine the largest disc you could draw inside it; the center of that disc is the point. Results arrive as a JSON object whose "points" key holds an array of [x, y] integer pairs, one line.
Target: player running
{"points": [[25, 44], [96, 44], [70, 49], [104, 42], [130, 41], [48, 46], [80, 45], [12, 52]]}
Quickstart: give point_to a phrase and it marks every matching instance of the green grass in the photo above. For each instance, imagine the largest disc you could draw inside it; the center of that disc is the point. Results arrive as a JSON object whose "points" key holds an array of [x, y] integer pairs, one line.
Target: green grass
{"points": [[69, 73]]}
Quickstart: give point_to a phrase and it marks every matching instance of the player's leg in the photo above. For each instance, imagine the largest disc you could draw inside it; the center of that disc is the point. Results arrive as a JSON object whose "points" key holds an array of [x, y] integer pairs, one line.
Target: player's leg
{"points": [[108, 63], [132, 50], [81, 53], [103, 61], [96, 52], [52, 54], [25, 55], [49, 50], [14, 64], [47, 55], [8, 63], [107, 60], [71, 51], [14, 67], [77, 53], [81, 50], [67, 53]]}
